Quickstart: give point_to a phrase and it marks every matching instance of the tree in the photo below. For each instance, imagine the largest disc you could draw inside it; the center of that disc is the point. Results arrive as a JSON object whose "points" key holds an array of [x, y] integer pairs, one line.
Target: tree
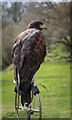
{"points": [[17, 15], [55, 16], [12, 12]]}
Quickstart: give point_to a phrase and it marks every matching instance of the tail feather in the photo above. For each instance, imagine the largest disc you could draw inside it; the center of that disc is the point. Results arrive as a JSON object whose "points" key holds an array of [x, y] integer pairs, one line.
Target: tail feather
{"points": [[26, 97], [23, 99], [26, 76]]}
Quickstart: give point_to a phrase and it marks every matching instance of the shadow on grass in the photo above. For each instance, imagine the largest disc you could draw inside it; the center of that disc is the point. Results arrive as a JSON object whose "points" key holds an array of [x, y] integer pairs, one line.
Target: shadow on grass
{"points": [[9, 115]]}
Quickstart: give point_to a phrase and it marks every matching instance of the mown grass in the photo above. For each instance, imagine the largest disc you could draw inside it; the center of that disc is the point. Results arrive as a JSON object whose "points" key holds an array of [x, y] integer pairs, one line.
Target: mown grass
{"points": [[55, 99]]}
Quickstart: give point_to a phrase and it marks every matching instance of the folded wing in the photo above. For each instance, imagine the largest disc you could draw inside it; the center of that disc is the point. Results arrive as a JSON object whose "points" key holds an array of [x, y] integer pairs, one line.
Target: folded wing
{"points": [[29, 51]]}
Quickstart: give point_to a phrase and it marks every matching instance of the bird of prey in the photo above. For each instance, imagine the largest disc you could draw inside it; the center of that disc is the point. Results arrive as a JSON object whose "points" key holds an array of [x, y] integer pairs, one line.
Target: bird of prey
{"points": [[28, 52]]}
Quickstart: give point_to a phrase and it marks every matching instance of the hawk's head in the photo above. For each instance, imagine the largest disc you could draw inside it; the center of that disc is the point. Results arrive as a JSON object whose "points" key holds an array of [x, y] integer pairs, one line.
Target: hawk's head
{"points": [[37, 24]]}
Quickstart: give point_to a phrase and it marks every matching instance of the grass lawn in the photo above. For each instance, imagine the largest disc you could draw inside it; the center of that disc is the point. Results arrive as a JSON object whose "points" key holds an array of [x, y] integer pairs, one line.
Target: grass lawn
{"points": [[55, 99]]}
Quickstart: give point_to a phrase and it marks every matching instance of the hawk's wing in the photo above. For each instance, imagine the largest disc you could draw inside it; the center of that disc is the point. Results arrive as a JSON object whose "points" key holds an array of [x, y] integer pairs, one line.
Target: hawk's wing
{"points": [[29, 52]]}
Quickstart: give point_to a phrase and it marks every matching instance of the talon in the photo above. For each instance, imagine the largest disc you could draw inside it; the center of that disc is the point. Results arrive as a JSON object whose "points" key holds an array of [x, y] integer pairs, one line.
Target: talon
{"points": [[26, 106], [30, 105]]}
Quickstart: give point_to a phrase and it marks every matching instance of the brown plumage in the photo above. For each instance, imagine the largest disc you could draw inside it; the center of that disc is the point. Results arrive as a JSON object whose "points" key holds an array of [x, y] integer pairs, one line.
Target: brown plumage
{"points": [[28, 53]]}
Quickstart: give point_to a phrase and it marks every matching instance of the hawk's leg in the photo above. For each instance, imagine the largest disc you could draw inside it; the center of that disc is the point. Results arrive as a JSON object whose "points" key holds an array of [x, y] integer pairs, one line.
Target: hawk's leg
{"points": [[15, 73], [34, 89], [17, 79]]}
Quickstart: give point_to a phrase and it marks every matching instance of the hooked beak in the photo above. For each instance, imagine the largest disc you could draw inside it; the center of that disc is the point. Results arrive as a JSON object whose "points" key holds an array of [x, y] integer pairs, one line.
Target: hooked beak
{"points": [[43, 27]]}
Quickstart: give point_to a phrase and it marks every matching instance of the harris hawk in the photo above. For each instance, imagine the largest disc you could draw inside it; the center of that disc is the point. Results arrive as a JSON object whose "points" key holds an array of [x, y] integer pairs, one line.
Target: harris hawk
{"points": [[28, 52]]}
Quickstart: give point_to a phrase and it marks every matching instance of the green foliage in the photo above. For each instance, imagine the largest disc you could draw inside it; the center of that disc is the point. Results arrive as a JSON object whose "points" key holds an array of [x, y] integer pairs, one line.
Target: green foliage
{"points": [[6, 58], [58, 52], [55, 100]]}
